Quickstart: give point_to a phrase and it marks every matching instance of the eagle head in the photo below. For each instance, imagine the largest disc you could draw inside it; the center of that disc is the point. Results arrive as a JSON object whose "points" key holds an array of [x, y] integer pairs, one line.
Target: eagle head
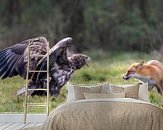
{"points": [[79, 60]]}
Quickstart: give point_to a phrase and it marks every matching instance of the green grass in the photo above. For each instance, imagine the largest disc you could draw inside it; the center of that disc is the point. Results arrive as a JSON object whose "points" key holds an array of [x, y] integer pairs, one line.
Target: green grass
{"points": [[104, 67]]}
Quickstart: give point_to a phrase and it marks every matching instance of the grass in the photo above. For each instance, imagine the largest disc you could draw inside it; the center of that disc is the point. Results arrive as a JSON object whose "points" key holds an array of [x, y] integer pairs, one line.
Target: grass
{"points": [[105, 67]]}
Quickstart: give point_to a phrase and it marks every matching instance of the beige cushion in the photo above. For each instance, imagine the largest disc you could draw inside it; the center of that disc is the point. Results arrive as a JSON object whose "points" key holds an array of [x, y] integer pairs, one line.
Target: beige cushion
{"points": [[71, 93], [76, 92], [106, 88], [131, 91], [79, 91], [143, 92], [104, 95]]}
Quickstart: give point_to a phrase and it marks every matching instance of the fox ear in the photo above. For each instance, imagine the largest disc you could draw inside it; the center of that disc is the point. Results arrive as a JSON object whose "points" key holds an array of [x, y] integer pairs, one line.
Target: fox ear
{"points": [[140, 64]]}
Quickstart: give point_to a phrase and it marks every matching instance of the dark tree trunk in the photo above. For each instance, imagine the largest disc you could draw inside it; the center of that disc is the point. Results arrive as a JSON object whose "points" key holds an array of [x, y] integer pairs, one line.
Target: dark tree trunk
{"points": [[18, 11], [13, 12], [143, 5], [10, 6]]}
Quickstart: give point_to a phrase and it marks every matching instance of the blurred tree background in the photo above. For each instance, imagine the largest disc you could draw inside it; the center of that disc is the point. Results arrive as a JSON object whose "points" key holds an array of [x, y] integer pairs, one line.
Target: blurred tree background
{"points": [[126, 25]]}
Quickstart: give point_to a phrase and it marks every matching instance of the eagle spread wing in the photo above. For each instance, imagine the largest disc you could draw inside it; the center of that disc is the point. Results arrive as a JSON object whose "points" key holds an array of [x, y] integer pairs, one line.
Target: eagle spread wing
{"points": [[10, 59], [57, 57], [13, 59]]}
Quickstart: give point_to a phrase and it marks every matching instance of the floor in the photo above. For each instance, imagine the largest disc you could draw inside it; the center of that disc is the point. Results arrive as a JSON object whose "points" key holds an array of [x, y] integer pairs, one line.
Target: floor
{"points": [[15, 121], [17, 126]]}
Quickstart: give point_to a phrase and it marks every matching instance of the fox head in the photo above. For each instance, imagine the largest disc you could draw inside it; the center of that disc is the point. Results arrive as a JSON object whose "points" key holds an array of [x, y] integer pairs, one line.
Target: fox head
{"points": [[133, 70]]}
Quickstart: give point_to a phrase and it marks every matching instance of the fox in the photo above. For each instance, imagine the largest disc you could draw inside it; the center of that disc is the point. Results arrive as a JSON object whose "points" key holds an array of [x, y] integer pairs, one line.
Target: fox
{"points": [[151, 73]]}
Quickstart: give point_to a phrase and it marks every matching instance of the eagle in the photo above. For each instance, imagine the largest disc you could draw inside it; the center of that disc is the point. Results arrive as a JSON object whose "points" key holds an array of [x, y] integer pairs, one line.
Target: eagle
{"points": [[14, 60]]}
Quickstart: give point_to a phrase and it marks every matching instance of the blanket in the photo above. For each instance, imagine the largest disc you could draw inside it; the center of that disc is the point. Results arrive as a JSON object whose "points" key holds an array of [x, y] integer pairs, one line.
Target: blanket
{"points": [[105, 114]]}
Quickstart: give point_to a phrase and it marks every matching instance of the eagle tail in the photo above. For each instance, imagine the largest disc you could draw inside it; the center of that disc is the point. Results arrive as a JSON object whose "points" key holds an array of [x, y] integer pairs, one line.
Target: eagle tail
{"points": [[21, 92], [32, 85]]}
